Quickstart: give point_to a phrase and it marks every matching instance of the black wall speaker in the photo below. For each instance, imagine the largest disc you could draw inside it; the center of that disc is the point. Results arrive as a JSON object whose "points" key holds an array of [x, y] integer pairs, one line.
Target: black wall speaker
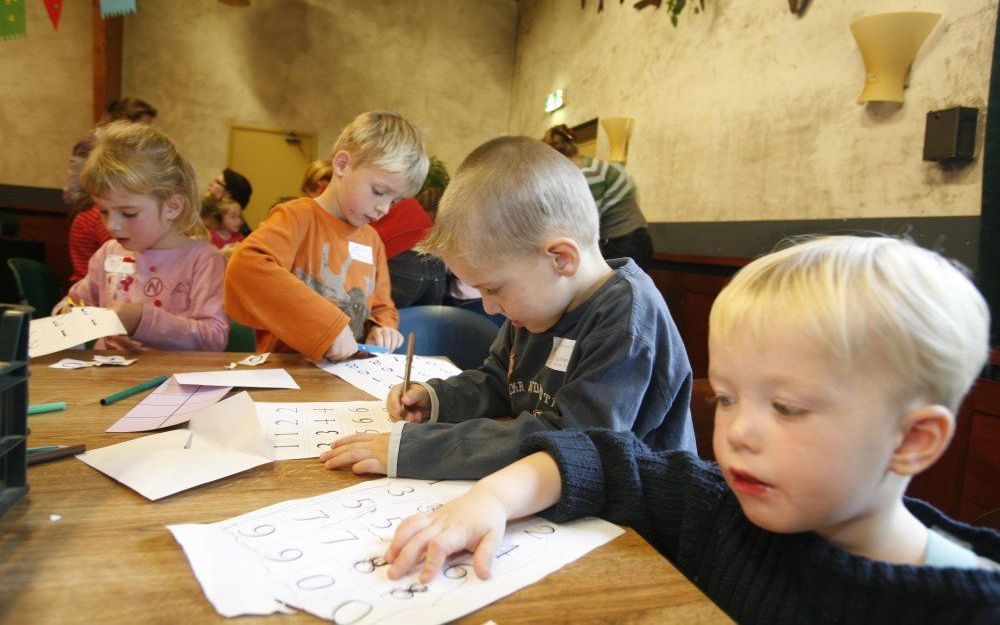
{"points": [[950, 134]]}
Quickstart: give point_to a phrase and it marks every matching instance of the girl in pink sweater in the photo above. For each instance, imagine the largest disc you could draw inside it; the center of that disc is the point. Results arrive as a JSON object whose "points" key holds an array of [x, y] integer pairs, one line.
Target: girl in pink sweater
{"points": [[157, 272]]}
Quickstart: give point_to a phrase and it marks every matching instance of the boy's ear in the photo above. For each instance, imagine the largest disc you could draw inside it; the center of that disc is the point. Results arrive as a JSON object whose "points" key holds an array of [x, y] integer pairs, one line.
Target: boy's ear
{"points": [[173, 207], [564, 254], [926, 430], [340, 161]]}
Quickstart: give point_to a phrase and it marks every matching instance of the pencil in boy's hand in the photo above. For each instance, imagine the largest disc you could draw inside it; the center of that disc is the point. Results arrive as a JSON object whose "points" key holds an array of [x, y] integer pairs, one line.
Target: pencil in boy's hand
{"points": [[409, 363]]}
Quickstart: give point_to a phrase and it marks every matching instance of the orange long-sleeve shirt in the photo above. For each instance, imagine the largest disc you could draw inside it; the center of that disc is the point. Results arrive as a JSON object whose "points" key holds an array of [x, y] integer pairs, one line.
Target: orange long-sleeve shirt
{"points": [[303, 275]]}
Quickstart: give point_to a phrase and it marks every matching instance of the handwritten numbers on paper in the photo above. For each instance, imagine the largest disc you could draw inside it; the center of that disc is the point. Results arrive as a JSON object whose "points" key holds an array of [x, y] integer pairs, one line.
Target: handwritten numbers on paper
{"points": [[304, 430], [325, 554]]}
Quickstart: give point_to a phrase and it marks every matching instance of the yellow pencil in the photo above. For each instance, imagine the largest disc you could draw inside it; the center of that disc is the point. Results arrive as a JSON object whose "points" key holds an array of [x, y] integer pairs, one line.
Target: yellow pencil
{"points": [[74, 303]]}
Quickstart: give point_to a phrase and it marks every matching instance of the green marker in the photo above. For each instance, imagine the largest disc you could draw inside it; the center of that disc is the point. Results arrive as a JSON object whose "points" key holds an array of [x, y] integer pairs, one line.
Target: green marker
{"points": [[49, 407], [35, 450], [138, 388]]}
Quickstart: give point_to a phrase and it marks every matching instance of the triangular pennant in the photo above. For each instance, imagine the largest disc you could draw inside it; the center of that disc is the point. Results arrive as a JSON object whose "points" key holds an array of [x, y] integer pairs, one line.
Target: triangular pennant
{"points": [[54, 7], [114, 8], [12, 24]]}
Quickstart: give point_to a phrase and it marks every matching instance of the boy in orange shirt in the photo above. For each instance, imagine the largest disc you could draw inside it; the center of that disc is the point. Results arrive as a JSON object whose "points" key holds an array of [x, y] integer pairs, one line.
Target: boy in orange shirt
{"points": [[313, 277]]}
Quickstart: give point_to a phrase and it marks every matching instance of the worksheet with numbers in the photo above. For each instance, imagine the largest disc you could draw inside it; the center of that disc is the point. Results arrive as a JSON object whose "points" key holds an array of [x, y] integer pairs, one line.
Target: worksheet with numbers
{"points": [[305, 430], [376, 376], [324, 555]]}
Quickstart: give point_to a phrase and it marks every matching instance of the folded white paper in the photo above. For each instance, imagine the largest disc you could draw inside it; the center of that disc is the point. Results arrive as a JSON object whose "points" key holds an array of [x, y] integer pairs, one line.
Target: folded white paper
{"points": [[244, 378], [222, 440]]}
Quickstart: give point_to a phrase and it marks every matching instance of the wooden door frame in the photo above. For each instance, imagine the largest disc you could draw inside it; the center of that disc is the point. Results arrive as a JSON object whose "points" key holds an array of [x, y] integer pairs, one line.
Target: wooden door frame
{"points": [[107, 53]]}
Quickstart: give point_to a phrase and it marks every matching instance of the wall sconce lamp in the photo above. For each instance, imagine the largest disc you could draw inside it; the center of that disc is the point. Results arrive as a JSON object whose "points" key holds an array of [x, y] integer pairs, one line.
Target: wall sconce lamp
{"points": [[889, 42], [618, 129]]}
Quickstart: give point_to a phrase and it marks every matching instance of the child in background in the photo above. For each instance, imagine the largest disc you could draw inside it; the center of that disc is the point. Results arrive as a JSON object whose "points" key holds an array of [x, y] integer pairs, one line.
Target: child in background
{"points": [[316, 178], [231, 185], [585, 345], [165, 286], [228, 220], [416, 279], [838, 365], [312, 278]]}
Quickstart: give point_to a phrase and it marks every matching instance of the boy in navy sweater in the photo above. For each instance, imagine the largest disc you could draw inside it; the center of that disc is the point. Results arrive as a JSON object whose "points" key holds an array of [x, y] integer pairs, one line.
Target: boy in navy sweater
{"points": [[838, 366], [588, 343]]}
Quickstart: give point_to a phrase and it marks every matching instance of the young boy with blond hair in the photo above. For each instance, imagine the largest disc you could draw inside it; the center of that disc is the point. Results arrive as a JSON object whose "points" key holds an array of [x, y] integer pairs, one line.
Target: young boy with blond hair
{"points": [[587, 343], [313, 278], [838, 366]]}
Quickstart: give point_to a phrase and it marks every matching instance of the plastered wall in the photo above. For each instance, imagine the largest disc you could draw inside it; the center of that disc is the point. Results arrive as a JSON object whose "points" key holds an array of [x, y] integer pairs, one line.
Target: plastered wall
{"points": [[312, 65], [46, 101], [748, 112], [307, 65]]}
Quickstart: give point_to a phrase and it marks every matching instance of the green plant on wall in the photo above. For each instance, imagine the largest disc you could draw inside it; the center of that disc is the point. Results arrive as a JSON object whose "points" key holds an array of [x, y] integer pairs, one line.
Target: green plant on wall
{"points": [[674, 7]]}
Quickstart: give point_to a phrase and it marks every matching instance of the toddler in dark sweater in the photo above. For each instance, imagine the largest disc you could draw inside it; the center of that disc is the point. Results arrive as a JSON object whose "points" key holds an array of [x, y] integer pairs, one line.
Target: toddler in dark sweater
{"points": [[838, 365]]}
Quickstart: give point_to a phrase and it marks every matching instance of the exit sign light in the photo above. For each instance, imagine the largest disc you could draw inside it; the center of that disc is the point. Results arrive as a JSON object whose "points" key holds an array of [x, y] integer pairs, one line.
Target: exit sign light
{"points": [[554, 101]]}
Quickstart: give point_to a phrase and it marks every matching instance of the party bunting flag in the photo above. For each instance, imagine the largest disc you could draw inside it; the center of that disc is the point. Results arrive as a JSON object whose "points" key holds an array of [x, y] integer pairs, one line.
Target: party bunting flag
{"points": [[54, 7], [114, 8], [12, 24]]}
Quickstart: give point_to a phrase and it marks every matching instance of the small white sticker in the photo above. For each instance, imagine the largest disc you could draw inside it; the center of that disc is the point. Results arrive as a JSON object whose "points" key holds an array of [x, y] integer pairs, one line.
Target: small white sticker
{"points": [[119, 264], [360, 252], [562, 349]]}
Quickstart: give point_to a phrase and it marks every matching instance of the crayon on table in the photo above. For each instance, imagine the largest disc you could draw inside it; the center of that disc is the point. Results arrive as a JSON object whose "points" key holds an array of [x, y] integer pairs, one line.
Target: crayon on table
{"points": [[55, 454], [138, 388], [35, 450], [49, 407]]}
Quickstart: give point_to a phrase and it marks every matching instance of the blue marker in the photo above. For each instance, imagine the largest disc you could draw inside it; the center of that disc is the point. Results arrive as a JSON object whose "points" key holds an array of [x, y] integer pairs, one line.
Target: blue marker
{"points": [[372, 349]]}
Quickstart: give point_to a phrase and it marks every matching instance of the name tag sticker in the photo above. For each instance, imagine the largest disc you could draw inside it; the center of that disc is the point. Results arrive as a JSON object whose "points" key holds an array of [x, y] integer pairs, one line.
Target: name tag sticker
{"points": [[119, 264], [562, 349], [359, 252]]}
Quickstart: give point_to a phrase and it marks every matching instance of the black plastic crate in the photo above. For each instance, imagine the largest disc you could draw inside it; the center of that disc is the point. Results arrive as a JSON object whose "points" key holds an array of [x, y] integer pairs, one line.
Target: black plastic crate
{"points": [[14, 324]]}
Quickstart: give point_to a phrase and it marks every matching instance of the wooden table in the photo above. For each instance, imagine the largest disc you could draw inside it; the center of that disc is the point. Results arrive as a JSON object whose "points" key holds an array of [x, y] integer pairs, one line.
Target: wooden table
{"points": [[110, 559]]}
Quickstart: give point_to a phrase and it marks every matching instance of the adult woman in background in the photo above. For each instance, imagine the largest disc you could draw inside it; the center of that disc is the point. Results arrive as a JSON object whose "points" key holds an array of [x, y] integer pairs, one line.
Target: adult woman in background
{"points": [[623, 227]]}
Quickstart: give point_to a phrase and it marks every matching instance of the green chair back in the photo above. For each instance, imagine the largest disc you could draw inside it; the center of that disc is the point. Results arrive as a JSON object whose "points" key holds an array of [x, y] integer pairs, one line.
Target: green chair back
{"points": [[241, 338], [36, 284]]}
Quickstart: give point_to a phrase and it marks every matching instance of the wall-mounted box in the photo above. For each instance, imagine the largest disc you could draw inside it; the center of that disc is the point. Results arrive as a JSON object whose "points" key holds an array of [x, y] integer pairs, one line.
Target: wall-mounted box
{"points": [[950, 134]]}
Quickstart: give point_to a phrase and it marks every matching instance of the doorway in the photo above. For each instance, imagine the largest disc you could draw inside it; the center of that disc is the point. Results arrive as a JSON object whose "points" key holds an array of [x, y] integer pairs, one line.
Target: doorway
{"points": [[274, 161]]}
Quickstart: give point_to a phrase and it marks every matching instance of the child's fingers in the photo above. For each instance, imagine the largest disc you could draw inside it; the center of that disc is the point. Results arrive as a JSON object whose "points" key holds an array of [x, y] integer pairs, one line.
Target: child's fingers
{"points": [[482, 559], [369, 465], [407, 545], [438, 549]]}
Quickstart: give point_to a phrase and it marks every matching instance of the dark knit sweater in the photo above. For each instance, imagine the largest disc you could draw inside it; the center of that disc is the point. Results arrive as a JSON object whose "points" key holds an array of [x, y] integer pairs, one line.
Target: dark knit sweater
{"points": [[683, 507]]}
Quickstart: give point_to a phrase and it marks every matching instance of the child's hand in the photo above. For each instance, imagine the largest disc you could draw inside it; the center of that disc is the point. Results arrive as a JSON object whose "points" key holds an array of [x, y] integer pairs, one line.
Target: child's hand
{"points": [[343, 347], [130, 314], [62, 307], [415, 405], [474, 522], [121, 344], [364, 453], [385, 337]]}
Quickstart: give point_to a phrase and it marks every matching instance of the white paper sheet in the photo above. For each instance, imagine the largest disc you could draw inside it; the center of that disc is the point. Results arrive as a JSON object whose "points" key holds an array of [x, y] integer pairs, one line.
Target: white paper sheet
{"points": [[244, 378], [81, 324], [305, 430], [322, 555], [171, 403], [222, 439], [376, 376]]}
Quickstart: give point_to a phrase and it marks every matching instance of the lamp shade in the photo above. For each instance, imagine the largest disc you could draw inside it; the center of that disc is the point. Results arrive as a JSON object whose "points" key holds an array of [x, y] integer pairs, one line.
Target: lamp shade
{"points": [[889, 42], [618, 129]]}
